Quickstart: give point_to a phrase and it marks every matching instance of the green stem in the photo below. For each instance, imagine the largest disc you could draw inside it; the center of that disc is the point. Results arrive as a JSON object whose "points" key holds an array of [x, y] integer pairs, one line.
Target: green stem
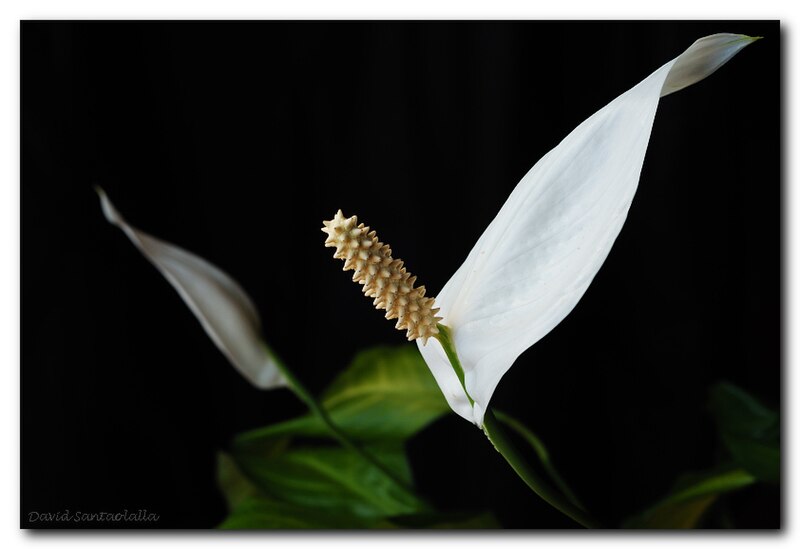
{"points": [[493, 430], [449, 347], [542, 453], [308, 399], [496, 435]]}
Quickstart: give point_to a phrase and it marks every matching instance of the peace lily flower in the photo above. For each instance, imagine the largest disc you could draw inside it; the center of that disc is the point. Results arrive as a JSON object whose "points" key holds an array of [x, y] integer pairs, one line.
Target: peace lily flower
{"points": [[538, 256]]}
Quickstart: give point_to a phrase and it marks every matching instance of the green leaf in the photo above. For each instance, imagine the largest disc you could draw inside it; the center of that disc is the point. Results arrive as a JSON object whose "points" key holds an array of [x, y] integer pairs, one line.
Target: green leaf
{"points": [[331, 478], [447, 521], [263, 513], [749, 430], [690, 498], [249, 508], [387, 393], [234, 485], [383, 397], [679, 515]]}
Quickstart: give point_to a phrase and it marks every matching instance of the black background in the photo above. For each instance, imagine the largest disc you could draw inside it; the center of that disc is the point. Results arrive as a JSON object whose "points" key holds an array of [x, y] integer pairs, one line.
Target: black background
{"points": [[235, 140]]}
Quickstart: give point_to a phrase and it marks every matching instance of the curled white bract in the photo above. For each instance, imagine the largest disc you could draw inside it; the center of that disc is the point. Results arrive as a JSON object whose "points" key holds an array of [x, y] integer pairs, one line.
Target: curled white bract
{"points": [[224, 310]]}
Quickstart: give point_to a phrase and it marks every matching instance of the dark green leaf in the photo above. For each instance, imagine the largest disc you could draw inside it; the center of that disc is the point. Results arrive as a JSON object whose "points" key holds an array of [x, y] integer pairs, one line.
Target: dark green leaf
{"points": [[447, 521], [234, 485], [331, 478], [749, 430], [249, 508], [260, 512], [387, 393], [690, 498]]}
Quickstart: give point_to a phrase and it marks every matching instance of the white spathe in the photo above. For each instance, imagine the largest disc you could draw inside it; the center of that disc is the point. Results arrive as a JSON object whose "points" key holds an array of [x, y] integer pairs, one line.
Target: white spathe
{"points": [[538, 256], [224, 310]]}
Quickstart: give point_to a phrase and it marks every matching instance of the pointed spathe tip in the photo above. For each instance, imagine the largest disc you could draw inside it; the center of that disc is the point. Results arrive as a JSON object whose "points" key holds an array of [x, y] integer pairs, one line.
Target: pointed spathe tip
{"points": [[109, 211], [703, 58], [746, 40]]}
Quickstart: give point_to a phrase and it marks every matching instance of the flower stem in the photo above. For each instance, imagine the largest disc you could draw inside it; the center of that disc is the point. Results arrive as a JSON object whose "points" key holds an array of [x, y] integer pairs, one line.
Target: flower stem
{"points": [[314, 406], [449, 347], [541, 452], [498, 438]]}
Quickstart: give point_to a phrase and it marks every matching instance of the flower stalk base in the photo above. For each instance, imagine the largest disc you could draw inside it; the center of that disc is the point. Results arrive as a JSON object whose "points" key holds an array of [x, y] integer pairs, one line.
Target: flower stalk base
{"points": [[499, 439]]}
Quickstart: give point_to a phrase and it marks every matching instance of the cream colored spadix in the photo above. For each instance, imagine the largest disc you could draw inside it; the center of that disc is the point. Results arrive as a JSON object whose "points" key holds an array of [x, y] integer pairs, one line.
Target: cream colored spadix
{"points": [[383, 278], [538, 256], [224, 310]]}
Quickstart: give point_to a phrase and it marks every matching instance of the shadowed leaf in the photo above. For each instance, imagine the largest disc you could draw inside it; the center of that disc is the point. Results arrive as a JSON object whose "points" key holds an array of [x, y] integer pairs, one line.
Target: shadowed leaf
{"points": [[263, 513], [690, 498], [331, 478], [749, 430]]}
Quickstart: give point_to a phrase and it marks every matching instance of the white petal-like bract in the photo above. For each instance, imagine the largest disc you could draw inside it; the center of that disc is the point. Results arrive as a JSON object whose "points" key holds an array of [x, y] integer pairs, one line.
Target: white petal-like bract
{"points": [[223, 308], [538, 256]]}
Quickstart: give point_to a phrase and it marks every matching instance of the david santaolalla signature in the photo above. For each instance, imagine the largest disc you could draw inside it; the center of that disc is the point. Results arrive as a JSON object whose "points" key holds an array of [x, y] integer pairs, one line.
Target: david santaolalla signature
{"points": [[138, 515]]}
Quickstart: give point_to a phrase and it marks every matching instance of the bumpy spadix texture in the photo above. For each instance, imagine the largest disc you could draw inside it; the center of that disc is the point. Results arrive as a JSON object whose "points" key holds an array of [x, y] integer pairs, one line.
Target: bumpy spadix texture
{"points": [[383, 277], [536, 259]]}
